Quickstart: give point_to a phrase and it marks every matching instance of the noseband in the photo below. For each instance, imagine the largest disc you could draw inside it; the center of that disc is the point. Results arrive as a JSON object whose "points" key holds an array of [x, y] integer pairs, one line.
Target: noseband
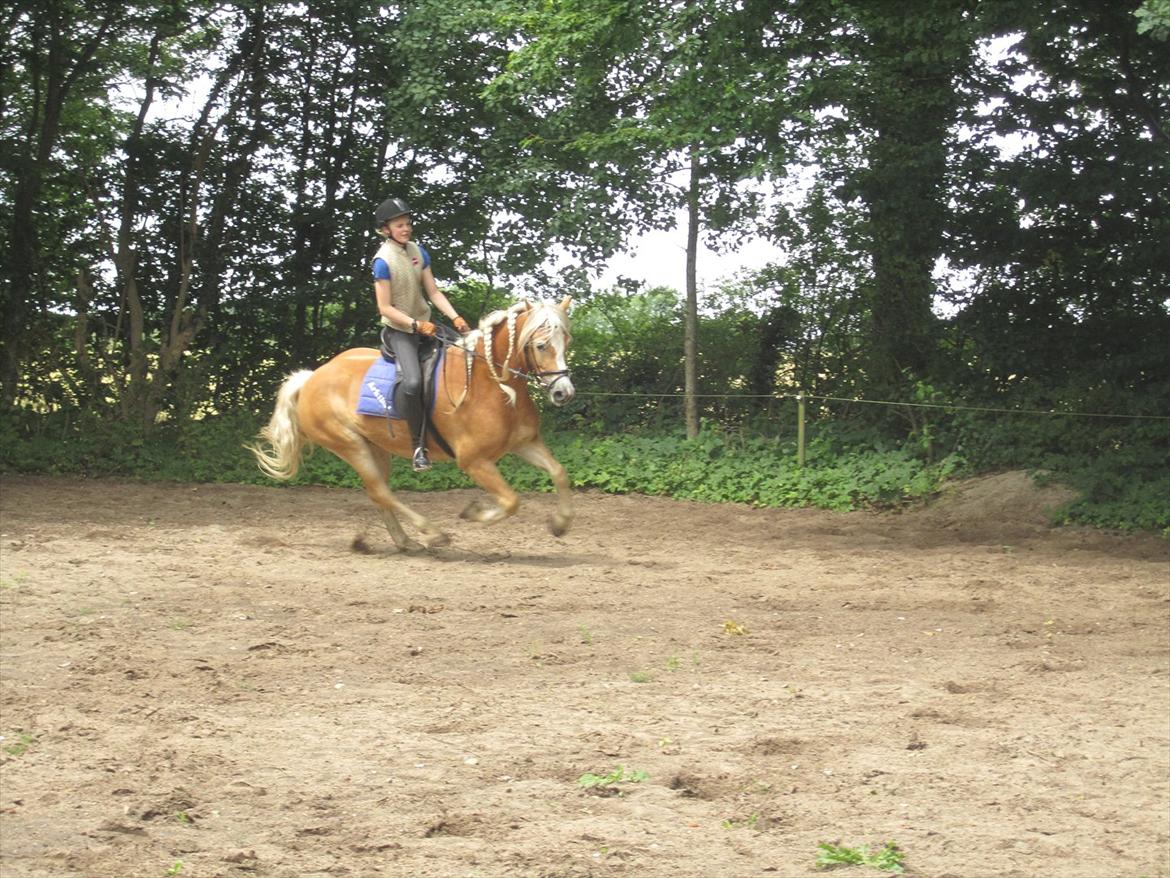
{"points": [[540, 375]]}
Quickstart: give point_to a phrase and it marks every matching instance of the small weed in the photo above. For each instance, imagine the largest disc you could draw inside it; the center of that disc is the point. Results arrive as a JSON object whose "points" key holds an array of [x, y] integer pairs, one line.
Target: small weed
{"points": [[184, 818], [749, 823], [888, 859], [586, 635], [175, 868], [672, 663], [607, 781], [20, 745], [179, 625], [641, 677], [13, 581]]}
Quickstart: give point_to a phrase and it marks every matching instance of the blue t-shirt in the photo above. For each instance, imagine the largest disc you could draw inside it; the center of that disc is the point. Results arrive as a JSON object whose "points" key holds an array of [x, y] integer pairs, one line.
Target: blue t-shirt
{"points": [[382, 270]]}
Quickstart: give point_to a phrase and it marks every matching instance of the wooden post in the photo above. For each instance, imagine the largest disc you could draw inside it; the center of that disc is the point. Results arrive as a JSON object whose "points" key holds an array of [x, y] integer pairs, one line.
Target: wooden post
{"points": [[800, 429]]}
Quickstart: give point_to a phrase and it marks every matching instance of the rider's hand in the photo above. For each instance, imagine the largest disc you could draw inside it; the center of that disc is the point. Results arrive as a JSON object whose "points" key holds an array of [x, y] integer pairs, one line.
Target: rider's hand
{"points": [[461, 325], [424, 327]]}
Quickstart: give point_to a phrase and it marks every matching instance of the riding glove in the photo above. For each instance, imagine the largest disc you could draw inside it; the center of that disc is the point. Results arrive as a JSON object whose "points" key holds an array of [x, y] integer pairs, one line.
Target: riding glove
{"points": [[424, 327], [461, 325]]}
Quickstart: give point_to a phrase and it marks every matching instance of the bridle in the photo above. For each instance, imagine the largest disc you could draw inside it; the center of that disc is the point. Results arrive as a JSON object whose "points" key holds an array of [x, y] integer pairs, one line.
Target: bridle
{"points": [[533, 374]]}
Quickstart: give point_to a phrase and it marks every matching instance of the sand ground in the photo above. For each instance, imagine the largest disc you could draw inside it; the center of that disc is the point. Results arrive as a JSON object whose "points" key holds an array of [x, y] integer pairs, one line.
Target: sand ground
{"points": [[211, 681]]}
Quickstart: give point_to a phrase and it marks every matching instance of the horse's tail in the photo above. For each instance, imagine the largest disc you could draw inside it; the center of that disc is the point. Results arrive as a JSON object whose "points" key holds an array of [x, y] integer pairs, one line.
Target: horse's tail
{"points": [[278, 453]]}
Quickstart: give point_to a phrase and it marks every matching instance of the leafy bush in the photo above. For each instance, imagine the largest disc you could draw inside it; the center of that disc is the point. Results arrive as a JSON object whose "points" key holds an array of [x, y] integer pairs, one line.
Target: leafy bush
{"points": [[719, 468]]}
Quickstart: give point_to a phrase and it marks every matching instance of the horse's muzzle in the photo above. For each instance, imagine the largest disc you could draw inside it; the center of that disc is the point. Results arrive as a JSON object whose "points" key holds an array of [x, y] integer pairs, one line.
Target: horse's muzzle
{"points": [[560, 391]]}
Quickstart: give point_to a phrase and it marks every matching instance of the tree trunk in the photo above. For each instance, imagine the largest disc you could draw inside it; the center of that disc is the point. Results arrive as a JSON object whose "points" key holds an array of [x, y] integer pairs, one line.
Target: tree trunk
{"points": [[691, 312], [910, 103], [135, 395]]}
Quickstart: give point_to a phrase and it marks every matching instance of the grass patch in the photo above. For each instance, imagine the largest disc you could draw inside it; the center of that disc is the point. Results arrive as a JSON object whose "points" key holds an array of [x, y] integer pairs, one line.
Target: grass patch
{"points": [[607, 783], [887, 859], [20, 746]]}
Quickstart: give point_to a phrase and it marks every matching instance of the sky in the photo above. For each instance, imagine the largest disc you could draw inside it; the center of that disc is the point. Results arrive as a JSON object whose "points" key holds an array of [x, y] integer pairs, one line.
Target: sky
{"points": [[660, 259]]}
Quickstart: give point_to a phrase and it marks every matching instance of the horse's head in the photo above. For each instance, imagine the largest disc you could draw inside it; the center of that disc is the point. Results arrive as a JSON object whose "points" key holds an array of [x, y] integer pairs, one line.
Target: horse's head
{"points": [[545, 341], [526, 341]]}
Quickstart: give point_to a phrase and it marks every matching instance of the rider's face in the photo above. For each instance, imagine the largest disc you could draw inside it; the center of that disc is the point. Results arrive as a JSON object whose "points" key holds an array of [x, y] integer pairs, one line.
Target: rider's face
{"points": [[401, 228]]}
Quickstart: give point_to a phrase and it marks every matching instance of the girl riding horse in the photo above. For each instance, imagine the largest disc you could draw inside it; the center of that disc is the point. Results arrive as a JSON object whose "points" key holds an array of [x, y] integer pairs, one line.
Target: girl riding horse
{"points": [[402, 275]]}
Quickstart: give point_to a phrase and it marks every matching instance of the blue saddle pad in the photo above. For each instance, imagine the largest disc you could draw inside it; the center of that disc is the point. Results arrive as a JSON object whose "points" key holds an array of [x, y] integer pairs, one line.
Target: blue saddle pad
{"points": [[377, 393]]}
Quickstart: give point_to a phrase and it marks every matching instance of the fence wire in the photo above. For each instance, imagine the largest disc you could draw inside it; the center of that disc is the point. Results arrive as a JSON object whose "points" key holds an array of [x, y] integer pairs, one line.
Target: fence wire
{"points": [[928, 405]]}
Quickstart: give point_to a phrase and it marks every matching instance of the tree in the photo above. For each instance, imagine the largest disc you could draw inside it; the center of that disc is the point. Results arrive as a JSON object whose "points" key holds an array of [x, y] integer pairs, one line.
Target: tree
{"points": [[883, 99], [47, 73], [629, 96], [1064, 234]]}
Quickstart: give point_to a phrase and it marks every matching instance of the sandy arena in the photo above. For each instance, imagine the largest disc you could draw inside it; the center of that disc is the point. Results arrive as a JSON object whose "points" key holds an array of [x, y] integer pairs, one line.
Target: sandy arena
{"points": [[213, 681]]}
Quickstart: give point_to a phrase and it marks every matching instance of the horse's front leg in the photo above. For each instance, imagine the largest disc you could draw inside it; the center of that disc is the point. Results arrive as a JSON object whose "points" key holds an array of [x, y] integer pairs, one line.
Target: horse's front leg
{"points": [[537, 454], [487, 476]]}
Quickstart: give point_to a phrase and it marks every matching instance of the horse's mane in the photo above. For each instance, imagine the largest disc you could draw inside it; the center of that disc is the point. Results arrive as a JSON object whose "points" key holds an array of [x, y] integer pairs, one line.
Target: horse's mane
{"points": [[543, 315]]}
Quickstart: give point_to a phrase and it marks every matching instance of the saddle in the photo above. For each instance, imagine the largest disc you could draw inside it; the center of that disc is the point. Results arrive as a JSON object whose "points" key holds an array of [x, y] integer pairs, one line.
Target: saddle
{"points": [[428, 354]]}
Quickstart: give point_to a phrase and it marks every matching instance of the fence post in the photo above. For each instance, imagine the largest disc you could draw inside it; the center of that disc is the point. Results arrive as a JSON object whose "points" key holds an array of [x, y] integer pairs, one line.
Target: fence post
{"points": [[800, 429]]}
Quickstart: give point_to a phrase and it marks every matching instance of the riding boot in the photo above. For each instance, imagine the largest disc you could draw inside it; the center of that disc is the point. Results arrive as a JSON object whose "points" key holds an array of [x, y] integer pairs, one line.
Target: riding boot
{"points": [[420, 462]]}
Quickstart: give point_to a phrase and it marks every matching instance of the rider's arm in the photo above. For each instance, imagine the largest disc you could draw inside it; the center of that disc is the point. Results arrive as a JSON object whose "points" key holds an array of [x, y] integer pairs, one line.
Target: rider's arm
{"points": [[436, 296]]}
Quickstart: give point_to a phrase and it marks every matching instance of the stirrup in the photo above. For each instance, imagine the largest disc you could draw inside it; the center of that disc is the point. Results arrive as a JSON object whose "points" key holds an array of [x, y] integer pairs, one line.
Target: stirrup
{"points": [[420, 462]]}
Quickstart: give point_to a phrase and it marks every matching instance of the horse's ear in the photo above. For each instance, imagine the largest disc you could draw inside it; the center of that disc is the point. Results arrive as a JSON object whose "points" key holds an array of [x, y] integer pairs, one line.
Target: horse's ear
{"points": [[565, 303]]}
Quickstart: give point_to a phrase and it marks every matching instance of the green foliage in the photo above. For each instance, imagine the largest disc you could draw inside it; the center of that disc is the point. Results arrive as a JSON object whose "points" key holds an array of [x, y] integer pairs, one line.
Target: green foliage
{"points": [[718, 467], [618, 775], [1121, 468], [23, 741], [1154, 19], [888, 859], [1121, 471], [748, 822]]}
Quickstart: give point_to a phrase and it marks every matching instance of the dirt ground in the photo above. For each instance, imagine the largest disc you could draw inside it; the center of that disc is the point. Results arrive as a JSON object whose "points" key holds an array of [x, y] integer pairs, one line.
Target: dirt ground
{"points": [[212, 681]]}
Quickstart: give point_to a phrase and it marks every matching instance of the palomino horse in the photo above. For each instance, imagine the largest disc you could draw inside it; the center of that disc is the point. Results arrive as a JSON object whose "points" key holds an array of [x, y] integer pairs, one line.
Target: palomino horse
{"points": [[482, 409]]}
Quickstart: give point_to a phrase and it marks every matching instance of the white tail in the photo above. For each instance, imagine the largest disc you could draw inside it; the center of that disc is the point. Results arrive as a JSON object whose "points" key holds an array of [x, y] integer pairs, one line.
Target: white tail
{"points": [[278, 453]]}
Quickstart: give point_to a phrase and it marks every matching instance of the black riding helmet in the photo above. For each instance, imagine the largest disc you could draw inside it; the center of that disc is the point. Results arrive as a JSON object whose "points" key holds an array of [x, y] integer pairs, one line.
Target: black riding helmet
{"points": [[391, 208]]}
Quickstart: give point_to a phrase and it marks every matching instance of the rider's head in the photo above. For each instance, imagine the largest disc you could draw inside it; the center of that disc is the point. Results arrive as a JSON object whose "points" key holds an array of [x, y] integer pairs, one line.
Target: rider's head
{"points": [[392, 220]]}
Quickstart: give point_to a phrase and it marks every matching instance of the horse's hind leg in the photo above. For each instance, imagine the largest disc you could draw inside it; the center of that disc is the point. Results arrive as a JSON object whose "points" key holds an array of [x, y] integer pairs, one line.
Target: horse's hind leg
{"points": [[401, 540], [537, 454], [373, 466]]}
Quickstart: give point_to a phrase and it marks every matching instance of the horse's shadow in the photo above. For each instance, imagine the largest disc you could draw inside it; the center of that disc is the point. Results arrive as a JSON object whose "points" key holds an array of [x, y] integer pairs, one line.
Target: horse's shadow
{"points": [[451, 554], [524, 559]]}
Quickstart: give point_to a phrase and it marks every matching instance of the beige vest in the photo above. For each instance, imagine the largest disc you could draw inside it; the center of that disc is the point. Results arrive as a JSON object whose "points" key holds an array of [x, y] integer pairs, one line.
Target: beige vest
{"points": [[406, 289]]}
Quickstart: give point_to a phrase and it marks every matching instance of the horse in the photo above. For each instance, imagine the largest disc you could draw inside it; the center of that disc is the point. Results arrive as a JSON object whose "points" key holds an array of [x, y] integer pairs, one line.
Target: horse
{"points": [[482, 409]]}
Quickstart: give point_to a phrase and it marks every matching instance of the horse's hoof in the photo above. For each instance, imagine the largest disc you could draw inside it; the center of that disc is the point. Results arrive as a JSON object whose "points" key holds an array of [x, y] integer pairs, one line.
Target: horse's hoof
{"points": [[438, 541], [559, 527], [411, 546]]}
